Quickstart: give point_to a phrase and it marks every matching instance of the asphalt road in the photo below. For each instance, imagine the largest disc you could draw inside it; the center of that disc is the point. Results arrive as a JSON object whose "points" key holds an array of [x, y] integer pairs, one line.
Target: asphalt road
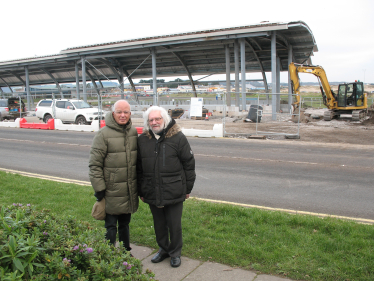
{"points": [[328, 179]]}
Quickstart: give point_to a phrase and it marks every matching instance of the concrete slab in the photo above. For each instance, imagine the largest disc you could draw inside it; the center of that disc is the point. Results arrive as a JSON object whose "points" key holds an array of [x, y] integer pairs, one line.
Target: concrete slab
{"points": [[209, 271], [140, 252], [164, 272], [263, 277]]}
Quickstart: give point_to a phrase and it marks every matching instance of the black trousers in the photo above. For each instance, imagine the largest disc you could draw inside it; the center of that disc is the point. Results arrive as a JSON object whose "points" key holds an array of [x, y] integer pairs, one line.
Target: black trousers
{"points": [[168, 222], [123, 221]]}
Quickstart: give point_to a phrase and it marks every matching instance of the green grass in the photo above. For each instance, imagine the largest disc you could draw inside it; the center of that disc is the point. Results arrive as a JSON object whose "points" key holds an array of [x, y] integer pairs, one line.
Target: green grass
{"points": [[293, 246]]}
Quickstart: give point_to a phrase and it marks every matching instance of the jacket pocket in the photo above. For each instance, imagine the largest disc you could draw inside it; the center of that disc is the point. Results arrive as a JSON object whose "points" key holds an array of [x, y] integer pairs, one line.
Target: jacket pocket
{"points": [[148, 189], [172, 187]]}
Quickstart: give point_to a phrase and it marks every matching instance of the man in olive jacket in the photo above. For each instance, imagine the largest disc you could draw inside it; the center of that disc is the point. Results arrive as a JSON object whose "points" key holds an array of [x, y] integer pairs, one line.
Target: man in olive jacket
{"points": [[166, 175], [112, 173]]}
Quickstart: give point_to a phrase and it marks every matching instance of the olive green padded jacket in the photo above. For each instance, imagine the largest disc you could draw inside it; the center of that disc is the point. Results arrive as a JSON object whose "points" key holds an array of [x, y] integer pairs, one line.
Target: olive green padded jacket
{"points": [[113, 166]]}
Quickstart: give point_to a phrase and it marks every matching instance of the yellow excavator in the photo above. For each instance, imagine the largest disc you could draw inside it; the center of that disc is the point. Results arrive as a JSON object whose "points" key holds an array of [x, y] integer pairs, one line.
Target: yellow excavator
{"points": [[350, 98]]}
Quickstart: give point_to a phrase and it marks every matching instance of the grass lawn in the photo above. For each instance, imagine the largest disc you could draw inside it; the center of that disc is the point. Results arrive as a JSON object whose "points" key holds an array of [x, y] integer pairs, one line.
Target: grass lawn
{"points": [[293, 246]]}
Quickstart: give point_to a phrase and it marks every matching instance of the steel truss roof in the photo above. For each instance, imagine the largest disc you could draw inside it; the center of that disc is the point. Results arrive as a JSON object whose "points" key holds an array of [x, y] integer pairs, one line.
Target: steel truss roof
{"points": [[194, 53]]}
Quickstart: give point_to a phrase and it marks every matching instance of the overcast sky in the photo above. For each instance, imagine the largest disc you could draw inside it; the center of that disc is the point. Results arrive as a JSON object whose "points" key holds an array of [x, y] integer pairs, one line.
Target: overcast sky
{"points": [[342, 29]]}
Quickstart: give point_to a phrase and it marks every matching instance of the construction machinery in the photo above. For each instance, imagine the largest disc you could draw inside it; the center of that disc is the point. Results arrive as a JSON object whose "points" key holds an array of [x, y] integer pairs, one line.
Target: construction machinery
{"points": [[350, 98]]}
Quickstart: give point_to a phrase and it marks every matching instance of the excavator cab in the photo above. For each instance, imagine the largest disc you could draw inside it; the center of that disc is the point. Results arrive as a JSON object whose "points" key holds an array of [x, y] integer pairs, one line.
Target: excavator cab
{"points": [[351, 95]]}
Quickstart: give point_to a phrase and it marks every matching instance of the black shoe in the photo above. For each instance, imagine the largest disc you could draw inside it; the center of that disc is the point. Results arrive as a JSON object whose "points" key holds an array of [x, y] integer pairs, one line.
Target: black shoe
{"points": [[175, 261], [159, 257]]}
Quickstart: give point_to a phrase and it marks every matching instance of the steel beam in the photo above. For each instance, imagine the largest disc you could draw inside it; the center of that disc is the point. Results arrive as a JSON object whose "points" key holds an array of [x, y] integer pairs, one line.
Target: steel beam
{"points": [[84, 79], [236, 58], [154, 75], [27, 89], [290, 99], [54, 80], [18, 77], [260, 64], [242, 60], [77, 80], [274, 75], [10, 88], [188, 73], [93, 81], [228, 72]]}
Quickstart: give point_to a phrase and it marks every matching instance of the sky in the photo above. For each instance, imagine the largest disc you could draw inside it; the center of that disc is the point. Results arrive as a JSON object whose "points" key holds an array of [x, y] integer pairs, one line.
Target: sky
{"points": [[343, 29]]}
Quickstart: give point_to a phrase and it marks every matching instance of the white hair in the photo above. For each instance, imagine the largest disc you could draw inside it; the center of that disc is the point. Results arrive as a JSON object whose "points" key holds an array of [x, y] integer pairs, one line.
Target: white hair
{"points": [[165, 116]]}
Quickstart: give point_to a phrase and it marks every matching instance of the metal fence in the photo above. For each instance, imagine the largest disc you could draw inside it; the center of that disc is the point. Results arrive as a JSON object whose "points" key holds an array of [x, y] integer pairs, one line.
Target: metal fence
{"points": [[235, 120]]}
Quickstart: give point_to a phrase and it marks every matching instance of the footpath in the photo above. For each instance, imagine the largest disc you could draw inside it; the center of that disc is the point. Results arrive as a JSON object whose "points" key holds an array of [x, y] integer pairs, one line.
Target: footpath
{"points": [[196, 270]]}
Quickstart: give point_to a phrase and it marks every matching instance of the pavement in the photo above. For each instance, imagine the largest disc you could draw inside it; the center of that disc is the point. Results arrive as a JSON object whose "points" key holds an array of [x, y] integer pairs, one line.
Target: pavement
{"points": [[195, 270]]}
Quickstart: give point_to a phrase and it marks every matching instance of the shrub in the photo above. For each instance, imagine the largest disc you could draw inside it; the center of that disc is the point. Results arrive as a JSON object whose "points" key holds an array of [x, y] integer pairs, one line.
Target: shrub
{"points": [[39, 245]]}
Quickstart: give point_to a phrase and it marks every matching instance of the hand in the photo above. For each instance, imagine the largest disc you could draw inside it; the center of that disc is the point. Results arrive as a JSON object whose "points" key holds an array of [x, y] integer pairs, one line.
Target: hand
{"points": [[187, 196], [100, 195]]}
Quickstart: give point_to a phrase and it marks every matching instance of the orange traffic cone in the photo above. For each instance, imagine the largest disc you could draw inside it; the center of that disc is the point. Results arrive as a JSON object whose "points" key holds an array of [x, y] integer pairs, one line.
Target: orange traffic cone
{"points": [[206, 117]]}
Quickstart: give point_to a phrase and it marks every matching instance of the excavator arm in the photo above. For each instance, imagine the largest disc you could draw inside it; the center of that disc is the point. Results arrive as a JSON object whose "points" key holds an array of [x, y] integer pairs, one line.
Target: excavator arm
{"points": [[328, 96]]}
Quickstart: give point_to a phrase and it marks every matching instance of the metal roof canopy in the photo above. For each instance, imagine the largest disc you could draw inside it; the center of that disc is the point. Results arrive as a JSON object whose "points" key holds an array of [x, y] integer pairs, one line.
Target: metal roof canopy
{"points": [[184, 54]]}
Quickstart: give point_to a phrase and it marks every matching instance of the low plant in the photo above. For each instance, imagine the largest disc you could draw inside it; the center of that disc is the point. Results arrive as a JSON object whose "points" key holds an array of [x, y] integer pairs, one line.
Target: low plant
{"points": [[39, 245]]}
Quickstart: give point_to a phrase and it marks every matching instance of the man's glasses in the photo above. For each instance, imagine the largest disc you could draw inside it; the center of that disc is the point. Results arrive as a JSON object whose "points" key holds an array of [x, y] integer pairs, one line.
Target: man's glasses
{"points": [[157, 119], [120, 112]]}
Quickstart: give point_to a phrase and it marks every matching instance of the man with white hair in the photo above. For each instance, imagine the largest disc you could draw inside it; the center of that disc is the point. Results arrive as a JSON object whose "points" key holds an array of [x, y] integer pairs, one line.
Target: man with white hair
{"points": [[166, 175]]}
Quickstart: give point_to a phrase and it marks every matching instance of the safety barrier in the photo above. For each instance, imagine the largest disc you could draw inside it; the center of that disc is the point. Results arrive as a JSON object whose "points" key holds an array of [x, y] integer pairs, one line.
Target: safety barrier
{"points": [[217, 132], [11, 124], [56, 124], [49, 126], [93, 127]]}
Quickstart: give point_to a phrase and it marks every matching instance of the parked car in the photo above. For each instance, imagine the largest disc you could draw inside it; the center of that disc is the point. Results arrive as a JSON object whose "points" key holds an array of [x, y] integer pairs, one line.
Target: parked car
{"points": [[68, 111], [3, 113], [10, 109]]}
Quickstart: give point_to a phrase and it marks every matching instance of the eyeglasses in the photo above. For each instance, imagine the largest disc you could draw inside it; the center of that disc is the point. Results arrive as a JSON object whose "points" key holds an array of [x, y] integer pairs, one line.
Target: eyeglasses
{"points": [[120, 112], [157, 119]]}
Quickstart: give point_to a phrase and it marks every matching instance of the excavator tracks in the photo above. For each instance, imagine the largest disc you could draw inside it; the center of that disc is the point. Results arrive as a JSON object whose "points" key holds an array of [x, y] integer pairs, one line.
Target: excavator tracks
{"points": [[327, 115], [357, 115]]}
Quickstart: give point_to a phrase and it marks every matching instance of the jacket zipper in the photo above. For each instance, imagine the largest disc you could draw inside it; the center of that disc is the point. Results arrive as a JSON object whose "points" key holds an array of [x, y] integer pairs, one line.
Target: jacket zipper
{"points": [[163, 155]]}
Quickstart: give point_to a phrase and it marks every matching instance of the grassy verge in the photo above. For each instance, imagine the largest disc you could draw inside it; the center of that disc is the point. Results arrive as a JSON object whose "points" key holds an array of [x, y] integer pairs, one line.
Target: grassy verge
{"points": [[293, 246]]}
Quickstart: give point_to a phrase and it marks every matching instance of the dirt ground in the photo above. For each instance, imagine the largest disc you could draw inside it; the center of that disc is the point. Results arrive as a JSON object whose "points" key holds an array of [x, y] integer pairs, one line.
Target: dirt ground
{"points": [[312, 128]]}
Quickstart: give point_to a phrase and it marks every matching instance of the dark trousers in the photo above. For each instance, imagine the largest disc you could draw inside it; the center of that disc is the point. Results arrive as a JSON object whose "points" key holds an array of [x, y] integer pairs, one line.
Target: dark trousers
{"points": [[123, 221], [168, 221]]}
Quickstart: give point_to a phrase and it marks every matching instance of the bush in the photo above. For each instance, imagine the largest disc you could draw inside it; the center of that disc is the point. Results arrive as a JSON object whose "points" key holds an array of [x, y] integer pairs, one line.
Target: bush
{"points": [[38, 245]]}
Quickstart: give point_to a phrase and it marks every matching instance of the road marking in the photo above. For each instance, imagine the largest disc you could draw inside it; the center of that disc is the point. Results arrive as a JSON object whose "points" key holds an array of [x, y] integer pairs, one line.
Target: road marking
{"points": [[361, 220], [283, 161], [45, 177], [59, 143], [86, 183]]}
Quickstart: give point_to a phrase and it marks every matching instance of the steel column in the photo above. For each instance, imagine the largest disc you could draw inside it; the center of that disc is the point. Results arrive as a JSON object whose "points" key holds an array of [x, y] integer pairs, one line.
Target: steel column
{"points": [[154, 75], [290, 99], [121, 86], [273, 75], [228, 83], [278, 83], [236, 58], [27, 88], [84, 78], [77, 80], [242, 62], [10, 88]]}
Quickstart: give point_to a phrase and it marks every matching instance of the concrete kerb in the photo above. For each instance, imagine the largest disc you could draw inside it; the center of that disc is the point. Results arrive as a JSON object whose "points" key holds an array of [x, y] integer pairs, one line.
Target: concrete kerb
{"points": [[195, 270], [12, 124]]}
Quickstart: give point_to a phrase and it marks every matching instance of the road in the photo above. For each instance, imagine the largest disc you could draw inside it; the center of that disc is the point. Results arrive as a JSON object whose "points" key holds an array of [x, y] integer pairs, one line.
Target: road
{"points": [[328, 179]]}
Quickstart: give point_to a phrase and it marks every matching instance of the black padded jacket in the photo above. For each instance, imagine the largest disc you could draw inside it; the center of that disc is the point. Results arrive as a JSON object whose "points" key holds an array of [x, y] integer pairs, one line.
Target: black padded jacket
{"points": [[165, 167]]}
